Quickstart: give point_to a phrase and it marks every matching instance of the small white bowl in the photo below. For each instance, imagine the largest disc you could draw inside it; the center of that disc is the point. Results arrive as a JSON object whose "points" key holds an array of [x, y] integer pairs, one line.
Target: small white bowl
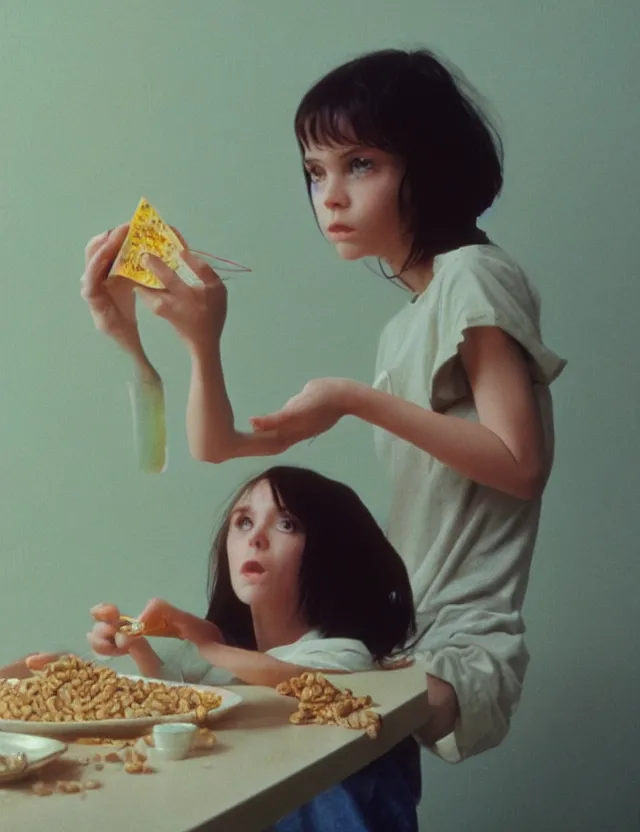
{"points": [[173, 740]]}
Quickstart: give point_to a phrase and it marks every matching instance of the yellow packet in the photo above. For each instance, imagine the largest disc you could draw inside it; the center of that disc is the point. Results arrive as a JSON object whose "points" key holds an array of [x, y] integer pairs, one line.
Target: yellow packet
{"points": [[149, 234], [136, 628]]}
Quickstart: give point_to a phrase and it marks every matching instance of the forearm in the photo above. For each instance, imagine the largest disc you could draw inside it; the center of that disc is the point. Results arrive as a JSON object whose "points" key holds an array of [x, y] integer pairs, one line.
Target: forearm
{"points": [[249, 666], [143, 370], [210, 420], [146, 658], [468, 447], [444, 710]]}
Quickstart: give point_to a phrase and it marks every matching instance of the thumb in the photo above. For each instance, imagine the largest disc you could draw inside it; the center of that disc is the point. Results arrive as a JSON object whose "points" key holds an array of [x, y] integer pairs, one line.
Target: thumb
{"points": [[270, 422], [122, 641], [37, 661]]}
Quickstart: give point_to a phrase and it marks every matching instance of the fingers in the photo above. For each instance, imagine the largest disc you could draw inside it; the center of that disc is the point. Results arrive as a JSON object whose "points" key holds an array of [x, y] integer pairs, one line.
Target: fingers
{"points": [[99, 259], [102, 639], [169, 279], [123, 642], [154, 299], [179, 236], [94, 244], [199, 267], [108, 613], [154, 610], [100, 239], [38, 661], [203, 270], [161, 618]]}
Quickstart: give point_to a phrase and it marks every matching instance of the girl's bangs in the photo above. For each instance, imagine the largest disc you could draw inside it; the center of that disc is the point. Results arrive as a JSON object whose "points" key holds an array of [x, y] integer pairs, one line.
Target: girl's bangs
{"points": [[278, 498], [336, 124]]}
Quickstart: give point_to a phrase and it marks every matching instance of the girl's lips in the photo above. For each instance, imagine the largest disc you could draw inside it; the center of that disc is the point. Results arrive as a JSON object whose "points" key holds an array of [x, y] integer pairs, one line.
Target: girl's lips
{"points": [[252, 567]]}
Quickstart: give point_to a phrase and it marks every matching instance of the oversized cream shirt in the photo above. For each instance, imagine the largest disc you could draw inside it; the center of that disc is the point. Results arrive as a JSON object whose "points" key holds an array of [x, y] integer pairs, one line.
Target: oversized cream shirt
{"points": [[185, 664], [467, 547]]}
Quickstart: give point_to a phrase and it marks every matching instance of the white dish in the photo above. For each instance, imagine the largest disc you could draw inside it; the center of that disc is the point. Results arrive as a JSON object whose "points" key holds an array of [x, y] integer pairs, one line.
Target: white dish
{"points": [[102, 727], [173, 741], [39, 751]]}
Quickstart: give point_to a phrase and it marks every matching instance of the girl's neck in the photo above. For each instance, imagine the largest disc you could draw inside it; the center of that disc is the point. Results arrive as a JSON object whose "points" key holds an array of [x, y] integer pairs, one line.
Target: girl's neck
{"points": [[417, 278], [275, 627]]}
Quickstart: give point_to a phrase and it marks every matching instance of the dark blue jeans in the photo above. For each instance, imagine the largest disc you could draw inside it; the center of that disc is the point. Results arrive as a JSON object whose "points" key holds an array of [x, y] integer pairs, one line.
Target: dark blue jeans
{"points": [[383, 797]]}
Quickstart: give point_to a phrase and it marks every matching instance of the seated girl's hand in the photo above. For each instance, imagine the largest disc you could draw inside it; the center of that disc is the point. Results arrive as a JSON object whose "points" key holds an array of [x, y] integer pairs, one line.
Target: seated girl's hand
{"points": [[38, 661], [104, 637], [24, 667], [164, 619]]}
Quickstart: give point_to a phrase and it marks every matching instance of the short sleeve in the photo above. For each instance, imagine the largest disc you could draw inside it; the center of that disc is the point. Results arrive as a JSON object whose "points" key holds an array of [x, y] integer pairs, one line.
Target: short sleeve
{"points": [[338, 654], [479, 293]]}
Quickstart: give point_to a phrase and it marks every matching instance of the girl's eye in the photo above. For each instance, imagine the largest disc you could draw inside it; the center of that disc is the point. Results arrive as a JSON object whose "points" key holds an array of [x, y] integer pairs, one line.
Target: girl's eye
{"points": [[314, 174], [286, 524], [243, 522], [361, 165]]}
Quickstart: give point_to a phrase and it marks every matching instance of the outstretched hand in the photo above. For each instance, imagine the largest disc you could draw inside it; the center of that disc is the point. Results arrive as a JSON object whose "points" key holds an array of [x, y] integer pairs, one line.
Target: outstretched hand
{"points": [[317, 408]]}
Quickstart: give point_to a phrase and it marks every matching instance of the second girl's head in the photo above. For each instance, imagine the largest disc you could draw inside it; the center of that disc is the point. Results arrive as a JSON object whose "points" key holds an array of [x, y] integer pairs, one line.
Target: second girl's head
{"points": [[399, 161], [299, 542]]}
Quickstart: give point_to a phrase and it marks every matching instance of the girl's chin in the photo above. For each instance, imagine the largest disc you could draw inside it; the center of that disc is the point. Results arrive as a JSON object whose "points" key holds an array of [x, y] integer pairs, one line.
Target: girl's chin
{"points": [[251, 595], [350, 252]]}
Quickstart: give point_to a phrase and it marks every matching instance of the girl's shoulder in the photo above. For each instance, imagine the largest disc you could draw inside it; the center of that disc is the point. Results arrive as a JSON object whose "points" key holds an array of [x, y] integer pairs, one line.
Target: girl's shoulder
{"points": [[487, 268], [466, 280], [315, 650]]}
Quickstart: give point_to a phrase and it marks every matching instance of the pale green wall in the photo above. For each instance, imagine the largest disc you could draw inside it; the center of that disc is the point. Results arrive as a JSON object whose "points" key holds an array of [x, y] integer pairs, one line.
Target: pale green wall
{"points": [[102, 102]]}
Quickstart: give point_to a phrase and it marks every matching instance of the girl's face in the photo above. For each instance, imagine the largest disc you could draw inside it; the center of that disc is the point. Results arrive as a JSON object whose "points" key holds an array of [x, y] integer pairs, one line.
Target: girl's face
{"points": [[354, 191], [264, 546]]}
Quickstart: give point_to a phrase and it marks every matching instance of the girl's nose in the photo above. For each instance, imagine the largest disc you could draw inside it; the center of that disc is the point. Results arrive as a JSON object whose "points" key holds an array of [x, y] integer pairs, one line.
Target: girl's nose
{"points": [[335, 195], [259, 540]]}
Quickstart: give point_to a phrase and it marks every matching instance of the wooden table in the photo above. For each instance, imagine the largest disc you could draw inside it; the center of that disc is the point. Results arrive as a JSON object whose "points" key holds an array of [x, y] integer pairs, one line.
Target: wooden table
{"points": [[261, 768]]}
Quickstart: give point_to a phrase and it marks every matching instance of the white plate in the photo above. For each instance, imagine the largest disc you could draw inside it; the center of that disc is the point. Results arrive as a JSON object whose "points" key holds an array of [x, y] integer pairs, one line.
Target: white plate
{"points": [[102, 727], [38, 750]]}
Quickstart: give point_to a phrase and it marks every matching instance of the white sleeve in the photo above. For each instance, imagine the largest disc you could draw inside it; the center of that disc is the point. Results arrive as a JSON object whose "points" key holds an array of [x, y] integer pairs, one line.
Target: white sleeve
{"points": [[487, 673], [339, 654], [486, 293]]}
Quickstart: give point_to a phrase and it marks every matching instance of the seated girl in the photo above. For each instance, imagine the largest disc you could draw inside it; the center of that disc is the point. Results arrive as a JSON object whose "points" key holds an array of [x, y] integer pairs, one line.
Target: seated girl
{"points": [[302, 578]]}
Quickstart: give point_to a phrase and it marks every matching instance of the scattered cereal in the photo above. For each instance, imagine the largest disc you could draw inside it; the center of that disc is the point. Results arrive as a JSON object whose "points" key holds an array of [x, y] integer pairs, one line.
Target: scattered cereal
{"points": [[322, 703], [41, 789], [69, 786], [205, 738]]}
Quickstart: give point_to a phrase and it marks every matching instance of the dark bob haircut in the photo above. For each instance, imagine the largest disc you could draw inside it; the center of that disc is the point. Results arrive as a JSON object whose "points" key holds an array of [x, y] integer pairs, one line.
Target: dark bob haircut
{"points": [[353, 583], [409, 104]]}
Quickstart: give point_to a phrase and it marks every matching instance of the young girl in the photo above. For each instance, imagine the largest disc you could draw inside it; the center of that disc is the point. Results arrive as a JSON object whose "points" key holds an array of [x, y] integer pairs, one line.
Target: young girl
{"points": [[303, 578], [400, 163]]}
